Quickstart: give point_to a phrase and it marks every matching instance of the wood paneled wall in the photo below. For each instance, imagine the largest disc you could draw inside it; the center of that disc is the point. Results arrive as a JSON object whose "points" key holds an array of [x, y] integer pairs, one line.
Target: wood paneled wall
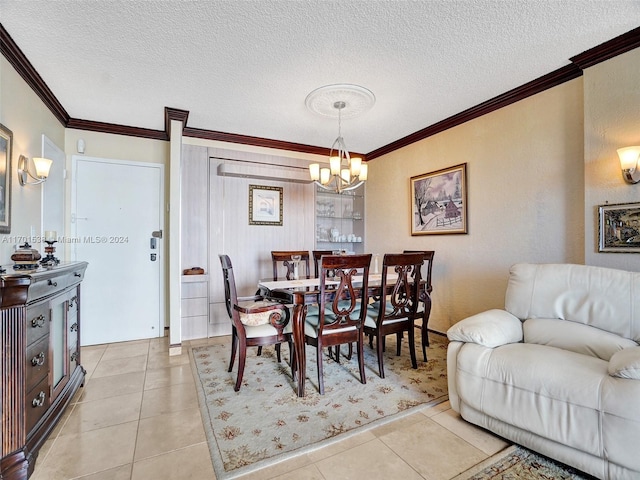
{"points": [[227, 217]]}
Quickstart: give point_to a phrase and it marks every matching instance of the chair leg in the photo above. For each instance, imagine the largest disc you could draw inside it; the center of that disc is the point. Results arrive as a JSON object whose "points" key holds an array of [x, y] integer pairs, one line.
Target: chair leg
{"points": [[259, 351], [320, 373], [412, 347], [398, 343], [379, 351], [277, 352], [360, 352], [425, 332], [234, 346], [350, 354], [242, 357]]}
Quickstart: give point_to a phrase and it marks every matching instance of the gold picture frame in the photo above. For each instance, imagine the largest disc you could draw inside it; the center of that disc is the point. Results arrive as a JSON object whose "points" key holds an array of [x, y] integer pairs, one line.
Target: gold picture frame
{"points": [[439, 202], [6, 152], [619, 228], [265, 205]]}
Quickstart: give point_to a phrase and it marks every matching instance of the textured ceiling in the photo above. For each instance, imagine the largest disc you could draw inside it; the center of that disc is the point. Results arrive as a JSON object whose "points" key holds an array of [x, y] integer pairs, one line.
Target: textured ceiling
{"points": [[246, 67]]}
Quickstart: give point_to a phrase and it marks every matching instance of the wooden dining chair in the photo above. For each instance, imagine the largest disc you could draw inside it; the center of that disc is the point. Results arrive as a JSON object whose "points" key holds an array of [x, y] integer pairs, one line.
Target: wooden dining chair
{"points": [[285, 258], [339, 316], [395, 312], [317, 255], [424, 298], [255, 322]]}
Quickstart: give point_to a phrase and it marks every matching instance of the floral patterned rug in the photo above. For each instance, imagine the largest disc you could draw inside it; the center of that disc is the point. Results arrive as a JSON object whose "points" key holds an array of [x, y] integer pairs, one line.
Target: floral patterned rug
{"points": [[265, 422], [519, 463]]}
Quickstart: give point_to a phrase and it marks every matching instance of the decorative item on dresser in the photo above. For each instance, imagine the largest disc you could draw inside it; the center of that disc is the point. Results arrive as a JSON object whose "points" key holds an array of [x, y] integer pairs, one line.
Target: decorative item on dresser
{"points": [[40, 362]]}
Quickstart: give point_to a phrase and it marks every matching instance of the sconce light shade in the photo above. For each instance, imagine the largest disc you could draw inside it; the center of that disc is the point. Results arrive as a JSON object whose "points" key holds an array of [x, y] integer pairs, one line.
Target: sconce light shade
{"points": [[41, 167], [629, 157]]}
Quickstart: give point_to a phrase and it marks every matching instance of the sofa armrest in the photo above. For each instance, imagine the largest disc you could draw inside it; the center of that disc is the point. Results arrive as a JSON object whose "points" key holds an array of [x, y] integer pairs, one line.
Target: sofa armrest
{"points": [[625, 363], [490, 329]]}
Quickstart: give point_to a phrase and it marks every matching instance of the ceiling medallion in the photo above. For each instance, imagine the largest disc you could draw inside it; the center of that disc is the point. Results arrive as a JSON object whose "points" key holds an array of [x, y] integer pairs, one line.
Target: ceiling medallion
{"points": [[356, 99]]}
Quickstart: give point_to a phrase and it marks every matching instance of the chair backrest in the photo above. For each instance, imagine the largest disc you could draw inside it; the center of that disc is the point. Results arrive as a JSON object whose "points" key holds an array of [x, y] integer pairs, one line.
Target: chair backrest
{"points": [[317, 255], [402, 293], [229, 281], [284, 257], [427, 258], [345, 303]]}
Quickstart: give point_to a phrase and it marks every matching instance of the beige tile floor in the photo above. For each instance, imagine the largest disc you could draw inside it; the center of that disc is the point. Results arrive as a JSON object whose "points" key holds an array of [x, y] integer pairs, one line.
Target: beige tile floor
{"points": [[137, 418]]}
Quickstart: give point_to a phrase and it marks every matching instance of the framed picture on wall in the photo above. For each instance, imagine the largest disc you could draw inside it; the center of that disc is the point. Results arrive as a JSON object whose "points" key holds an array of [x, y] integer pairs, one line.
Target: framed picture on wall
{"points": [[439, 201], [6, 152], [265, 205], [619, 228]]}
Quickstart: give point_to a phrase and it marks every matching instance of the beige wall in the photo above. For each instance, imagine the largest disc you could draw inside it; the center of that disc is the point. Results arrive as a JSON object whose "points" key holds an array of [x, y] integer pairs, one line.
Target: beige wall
{"points": [[22, 112], [525, 199], [611, 121]]}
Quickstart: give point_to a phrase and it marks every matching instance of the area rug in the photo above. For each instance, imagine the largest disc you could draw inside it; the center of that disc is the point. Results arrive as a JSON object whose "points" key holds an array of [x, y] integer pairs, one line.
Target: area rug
{"points": [[519, 463], [266, 422]]}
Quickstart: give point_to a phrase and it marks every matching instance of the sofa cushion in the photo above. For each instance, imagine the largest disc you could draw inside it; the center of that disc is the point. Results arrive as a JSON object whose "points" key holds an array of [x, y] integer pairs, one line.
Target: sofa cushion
{"points": [[490, 329], [575, 337], [605, 298], [626, 363]]}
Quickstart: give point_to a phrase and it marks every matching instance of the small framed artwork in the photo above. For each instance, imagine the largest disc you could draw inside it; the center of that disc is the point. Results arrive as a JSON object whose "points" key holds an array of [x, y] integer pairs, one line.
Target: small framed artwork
{"points": [[439, 201], [619, 228], [265, 205], [6, 151]]}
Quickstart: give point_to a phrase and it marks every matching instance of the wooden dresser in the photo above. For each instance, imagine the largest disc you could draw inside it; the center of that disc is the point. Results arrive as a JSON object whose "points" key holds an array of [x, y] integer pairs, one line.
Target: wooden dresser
{"points": [[40, 368]]}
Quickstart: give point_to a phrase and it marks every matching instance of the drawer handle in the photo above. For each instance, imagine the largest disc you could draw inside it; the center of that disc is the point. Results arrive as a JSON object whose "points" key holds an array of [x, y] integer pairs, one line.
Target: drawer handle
{"points": [[38, 360], [39, 400], [52, 283], [74, 356], [76, 274], [74, 327], [38, 321]]}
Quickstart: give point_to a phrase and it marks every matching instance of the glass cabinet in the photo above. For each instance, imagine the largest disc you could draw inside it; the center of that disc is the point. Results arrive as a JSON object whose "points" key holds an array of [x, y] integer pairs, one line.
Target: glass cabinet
{"points": [[340, 220]]}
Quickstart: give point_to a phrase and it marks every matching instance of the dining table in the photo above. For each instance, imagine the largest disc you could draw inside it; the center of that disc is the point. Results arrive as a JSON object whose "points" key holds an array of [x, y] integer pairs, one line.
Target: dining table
{"points": [[300, 294]]}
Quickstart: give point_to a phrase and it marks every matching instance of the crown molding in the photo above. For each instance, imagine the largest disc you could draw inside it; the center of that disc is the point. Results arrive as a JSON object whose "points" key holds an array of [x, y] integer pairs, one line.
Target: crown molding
{"points": [[541, 84], [614, 47], [103, 127], [253, 141], [23, 66]]}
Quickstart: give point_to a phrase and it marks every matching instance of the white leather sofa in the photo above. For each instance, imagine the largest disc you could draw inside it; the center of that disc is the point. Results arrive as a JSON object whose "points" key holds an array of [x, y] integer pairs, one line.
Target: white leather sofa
{"points": [[558, 370]]}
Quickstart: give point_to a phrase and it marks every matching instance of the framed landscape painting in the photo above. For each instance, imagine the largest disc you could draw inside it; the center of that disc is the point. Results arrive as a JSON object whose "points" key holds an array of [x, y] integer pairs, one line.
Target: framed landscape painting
{"points": [[6, 145], [439, 201], [265, 205], [619, 228]]}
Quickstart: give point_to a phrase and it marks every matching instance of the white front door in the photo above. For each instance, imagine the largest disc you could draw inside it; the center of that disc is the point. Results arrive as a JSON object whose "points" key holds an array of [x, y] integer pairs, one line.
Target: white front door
{"points": [[116, 207]]}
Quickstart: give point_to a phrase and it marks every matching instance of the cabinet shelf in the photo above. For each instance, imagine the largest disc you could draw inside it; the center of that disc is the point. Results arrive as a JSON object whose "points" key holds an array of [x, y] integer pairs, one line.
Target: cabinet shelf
{"points": [[340, 214]]}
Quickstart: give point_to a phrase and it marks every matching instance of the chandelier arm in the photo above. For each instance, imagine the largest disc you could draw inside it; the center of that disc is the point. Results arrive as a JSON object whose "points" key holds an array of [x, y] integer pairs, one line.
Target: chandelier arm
{"points": [[353, 187]]}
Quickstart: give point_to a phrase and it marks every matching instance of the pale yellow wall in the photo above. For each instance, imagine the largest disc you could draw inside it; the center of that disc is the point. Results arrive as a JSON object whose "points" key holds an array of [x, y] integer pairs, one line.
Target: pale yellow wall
{"points": [[612, 121], [22, 112], [525, 199]]}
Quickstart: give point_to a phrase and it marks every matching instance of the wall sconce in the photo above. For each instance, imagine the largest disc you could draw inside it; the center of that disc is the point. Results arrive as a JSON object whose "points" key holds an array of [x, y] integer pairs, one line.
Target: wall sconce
{"points": [[629, 157], [40, 165]]}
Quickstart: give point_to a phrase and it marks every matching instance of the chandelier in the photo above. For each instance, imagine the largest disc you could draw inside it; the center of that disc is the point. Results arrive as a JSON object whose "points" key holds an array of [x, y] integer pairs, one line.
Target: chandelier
{"points": [[344, 173]]}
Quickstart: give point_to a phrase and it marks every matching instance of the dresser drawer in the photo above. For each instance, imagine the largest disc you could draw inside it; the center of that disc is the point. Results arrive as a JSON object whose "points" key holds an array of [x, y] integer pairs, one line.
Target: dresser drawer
{"points": [[194, 290], [37, 403], [37, 362], [191, 307], [38, 320], [74, 357], [47, 286]]}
